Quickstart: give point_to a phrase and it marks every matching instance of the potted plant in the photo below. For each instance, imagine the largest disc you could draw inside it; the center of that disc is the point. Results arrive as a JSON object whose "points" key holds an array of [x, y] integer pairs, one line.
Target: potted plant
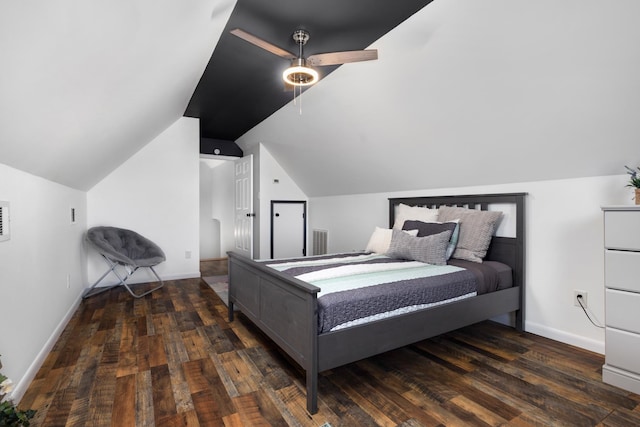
{"points": [[9, 414], [634, 181]]}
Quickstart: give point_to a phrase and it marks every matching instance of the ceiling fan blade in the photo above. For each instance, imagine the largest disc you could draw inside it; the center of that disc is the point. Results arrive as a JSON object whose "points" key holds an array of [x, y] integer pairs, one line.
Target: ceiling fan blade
{"points": [[262, 44], [335, 58]]}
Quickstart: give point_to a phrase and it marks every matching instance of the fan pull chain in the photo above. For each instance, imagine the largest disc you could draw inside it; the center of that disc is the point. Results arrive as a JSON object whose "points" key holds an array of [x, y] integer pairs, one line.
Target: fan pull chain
{"points": [[297, 100]]}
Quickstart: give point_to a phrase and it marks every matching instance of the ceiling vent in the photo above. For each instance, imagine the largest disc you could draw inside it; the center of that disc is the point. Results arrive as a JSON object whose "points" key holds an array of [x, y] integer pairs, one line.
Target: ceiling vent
{"points": [[220, 147]]}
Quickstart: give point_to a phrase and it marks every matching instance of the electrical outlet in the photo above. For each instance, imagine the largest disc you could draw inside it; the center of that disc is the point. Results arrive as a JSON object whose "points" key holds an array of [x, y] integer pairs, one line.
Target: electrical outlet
{"points": [[187, 254], [583, 294]]}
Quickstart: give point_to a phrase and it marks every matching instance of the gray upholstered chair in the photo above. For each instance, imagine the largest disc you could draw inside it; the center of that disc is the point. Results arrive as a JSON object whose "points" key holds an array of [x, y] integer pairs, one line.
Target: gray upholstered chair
{"points": [[119, 246]]}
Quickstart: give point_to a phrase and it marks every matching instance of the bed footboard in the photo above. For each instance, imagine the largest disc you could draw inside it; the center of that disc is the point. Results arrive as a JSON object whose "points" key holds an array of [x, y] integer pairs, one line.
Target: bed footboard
{"points": [[284, 308]]}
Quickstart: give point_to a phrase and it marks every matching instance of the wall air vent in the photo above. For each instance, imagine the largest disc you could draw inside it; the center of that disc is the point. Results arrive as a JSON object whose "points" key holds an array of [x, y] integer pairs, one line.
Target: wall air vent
{"points": [[320, 238], [4, 221]]}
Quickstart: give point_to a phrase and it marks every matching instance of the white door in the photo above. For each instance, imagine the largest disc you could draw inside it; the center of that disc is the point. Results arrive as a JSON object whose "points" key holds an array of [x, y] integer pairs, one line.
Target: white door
{"points": [[244, 206], [288, 229]]}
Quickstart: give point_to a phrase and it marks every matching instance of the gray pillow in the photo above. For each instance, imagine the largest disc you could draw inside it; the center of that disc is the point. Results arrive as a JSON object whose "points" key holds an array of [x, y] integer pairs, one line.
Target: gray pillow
{"points": [[429, 228], [430, 249], [476, 229]]}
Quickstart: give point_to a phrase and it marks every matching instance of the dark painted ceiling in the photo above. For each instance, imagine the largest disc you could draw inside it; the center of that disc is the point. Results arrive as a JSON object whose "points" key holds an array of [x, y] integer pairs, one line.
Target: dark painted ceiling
{"points": [[242, 84]]}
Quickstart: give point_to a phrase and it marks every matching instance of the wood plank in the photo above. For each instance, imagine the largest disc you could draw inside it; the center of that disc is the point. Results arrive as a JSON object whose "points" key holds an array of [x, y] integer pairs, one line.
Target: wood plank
{"points": [[142, 352], [293, 406], [196, 344], [384, 412], [472, 413], [249, 410], [239, 373], [60, 407], [145, 413], [181, 393], [164, 404], [346, 410], [157, 353], [217, 338], [102, 395], [621, 417], [233, 420], [124, 403], [128, 357], [204, 375], [183, 419], [207, 409], [226, 379]]}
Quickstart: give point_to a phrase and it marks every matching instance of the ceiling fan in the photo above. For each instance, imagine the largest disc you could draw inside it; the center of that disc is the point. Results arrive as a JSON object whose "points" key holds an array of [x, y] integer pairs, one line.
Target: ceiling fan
{"points": [[300, 73]]}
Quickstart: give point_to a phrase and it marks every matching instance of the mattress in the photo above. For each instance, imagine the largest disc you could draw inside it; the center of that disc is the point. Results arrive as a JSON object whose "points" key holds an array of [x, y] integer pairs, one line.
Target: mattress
{"points": [[356, 288]]}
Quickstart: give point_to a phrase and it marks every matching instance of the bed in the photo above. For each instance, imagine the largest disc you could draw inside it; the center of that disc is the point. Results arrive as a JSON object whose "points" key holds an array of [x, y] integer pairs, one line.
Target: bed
{"points": [[285, 308]]}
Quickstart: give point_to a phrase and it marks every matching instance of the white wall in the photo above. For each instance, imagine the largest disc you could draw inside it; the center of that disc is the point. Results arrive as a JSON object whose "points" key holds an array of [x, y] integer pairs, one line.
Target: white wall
{"points": [[209, 226], [285, 189], [223, 204], [42, 270], [564, 244], [156, 194]]}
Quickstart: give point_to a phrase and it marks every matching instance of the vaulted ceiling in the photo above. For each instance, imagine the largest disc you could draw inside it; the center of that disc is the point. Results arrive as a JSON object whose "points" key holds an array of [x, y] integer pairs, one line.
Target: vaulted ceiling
{"points": [[242, 84]]}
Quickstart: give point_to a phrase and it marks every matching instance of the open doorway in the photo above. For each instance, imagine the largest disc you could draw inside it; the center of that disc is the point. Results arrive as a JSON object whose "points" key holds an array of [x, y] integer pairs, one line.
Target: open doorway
{"points": [[216, 211]]}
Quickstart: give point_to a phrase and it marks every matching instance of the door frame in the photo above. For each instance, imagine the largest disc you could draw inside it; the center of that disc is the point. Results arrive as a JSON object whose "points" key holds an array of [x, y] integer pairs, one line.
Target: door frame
{"points": [[304, 222]]}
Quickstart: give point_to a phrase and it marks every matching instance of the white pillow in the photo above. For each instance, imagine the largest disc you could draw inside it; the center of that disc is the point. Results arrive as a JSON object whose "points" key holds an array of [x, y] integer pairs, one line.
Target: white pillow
{"points": [[405, 212], [381, 239]]}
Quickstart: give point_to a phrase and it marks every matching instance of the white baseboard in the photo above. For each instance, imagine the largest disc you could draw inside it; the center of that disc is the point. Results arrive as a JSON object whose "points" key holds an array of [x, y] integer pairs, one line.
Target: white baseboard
{"points": [[192, 275], [565, 337], [144, 277], [24, 383]]}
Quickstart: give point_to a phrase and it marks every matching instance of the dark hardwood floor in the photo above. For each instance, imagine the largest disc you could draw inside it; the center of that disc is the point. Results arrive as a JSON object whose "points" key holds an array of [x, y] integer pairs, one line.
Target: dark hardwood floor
{"points": [[213, 267], [172, 359]]}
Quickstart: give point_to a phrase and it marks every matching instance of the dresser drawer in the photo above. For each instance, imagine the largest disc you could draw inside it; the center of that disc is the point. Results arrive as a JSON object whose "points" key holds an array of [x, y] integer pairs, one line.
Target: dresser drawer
{"points": [[622, 230], [622, 310], [621, 270], [622, 350]]}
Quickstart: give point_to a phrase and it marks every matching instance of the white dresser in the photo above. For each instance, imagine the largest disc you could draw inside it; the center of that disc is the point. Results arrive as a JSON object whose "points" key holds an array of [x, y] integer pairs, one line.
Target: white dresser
{"points": [[622, 296]]}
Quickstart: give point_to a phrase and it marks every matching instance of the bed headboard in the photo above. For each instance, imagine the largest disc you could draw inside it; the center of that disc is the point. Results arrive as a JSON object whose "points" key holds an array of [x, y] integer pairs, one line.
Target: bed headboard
{"points": [[507, 250]]}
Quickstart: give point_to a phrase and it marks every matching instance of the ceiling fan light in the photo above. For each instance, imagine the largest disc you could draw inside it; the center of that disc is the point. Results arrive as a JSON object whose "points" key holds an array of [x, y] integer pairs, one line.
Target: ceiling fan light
{"points": [[300, 75]]}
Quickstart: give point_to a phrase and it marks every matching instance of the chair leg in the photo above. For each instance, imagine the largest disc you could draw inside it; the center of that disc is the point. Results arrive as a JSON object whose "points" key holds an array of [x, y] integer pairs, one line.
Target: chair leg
{"points": [[123, 281], [89, 292]]}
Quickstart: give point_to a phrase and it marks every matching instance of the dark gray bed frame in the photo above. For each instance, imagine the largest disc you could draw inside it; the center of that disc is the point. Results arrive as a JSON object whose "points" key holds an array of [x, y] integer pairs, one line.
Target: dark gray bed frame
{"points": [[286, 310]]}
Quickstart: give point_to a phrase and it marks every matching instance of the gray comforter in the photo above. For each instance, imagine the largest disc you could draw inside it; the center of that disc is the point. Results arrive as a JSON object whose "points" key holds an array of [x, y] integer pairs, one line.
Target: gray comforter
{"points": [[362, 286]]}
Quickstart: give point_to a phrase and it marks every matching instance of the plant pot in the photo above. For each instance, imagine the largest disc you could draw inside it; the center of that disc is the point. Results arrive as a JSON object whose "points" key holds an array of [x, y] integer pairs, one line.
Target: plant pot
{"points": [[637, 196]]}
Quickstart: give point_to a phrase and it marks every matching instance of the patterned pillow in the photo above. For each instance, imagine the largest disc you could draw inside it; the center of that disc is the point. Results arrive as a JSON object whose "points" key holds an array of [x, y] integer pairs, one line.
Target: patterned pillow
{"points": [[405, 212], [430, 249], [429, 228], [476, 229], [381, 238]]}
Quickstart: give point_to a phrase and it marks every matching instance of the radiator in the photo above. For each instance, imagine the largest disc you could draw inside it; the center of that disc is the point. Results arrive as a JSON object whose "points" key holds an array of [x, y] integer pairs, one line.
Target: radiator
{"points": [[320, 242]]}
